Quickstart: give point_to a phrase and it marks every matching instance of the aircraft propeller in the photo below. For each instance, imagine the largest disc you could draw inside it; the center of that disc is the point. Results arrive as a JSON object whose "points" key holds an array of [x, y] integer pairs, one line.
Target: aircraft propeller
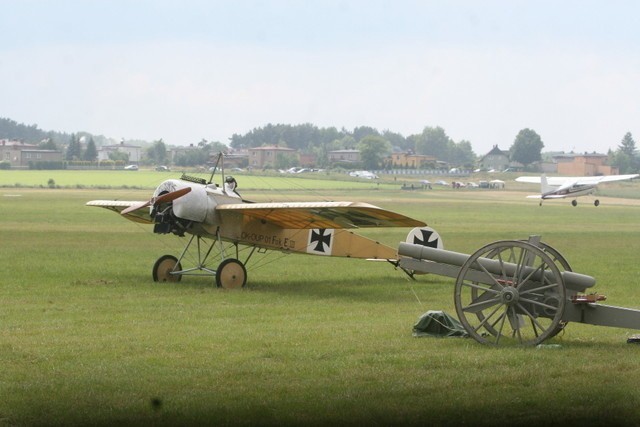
{"points": [[163, 198]]}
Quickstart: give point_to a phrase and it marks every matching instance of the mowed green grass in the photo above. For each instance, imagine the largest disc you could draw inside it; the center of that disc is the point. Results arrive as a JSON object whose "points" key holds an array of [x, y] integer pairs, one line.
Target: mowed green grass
{"points": [[88, 338], [149, 179]]}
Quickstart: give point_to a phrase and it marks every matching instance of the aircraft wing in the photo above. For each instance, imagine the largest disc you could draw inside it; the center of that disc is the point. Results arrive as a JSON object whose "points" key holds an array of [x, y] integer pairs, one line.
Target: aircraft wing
{"points": [[303, 215], [529, 179], [141, 215], [608, 178], [577, 180], [553, 180]]}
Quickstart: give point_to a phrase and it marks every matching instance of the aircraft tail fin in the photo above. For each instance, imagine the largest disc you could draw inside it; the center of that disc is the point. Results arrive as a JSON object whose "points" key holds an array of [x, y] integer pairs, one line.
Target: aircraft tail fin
{"points": [[425, 236], [544, 185]]}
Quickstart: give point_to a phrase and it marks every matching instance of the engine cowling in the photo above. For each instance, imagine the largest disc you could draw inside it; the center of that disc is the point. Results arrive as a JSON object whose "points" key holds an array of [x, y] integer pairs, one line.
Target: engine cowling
{"points": [[197, 206]]}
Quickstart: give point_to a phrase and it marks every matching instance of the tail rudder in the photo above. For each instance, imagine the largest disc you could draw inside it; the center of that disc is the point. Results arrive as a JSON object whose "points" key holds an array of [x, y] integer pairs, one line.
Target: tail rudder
{"points": [[425, 236], [544, 185]]}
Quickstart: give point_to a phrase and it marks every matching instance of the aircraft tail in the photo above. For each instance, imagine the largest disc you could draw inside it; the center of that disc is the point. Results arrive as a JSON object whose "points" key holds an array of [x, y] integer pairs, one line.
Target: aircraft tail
{"points": [[425, 236], [544, 185], [363, 247]]}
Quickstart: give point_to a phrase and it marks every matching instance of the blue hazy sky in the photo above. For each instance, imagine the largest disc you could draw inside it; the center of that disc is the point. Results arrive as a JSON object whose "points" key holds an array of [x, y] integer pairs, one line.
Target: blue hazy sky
{"points": [[187, 70]]}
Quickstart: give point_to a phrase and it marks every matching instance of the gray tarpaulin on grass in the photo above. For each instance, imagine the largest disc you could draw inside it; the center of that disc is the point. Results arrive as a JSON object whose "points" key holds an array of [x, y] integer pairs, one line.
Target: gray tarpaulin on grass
{"points": [[438, 324]]}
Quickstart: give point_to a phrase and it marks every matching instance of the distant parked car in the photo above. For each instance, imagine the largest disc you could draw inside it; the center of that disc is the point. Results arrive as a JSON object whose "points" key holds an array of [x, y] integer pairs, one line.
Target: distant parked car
{"points": [[441, 183], [162, 169], [131, 168]]}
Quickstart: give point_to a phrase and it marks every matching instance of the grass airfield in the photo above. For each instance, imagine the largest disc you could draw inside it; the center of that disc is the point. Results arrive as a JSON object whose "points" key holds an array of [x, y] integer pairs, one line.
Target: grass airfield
{"points": [[88, 338]]}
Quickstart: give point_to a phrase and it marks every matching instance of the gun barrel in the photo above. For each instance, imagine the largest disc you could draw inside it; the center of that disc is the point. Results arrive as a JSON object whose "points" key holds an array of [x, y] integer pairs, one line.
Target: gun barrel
{"points": [[574, 281]]}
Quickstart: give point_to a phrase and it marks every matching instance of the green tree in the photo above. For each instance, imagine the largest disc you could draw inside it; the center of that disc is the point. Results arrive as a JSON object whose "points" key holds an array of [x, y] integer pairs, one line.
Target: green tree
{"points": [[284, 161], [74, 150], [527, 147], [461, 154], [363, 131], [627, 145], [193, 157], [373, 149], [625, 157], [157, 153], [397, 140], [91, 153], [433, 142], [347, 142], [212, 146], [48, 144]]}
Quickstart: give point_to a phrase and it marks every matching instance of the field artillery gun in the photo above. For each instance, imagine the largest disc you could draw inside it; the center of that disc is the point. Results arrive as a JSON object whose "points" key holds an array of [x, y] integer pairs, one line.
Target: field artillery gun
{"points": [[516, 291]]}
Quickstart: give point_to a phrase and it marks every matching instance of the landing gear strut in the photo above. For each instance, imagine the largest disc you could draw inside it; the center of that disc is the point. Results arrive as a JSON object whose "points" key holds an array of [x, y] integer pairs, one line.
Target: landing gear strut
{"points": [[230, 273]]}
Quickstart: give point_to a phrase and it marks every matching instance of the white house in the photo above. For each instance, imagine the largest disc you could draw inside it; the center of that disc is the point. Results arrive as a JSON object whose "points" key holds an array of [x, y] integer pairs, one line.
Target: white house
{"points": [[134, 151]]}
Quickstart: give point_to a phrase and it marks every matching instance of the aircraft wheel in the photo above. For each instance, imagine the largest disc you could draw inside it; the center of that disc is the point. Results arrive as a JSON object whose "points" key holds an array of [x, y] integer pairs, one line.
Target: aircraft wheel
{"points": [[515, 294], [231, 274], [574, 202], [596, 203], [164, 266]]}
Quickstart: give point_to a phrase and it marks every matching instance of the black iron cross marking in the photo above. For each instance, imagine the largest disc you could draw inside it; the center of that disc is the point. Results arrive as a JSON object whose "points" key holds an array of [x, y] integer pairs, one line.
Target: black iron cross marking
{"points": [[426, 234], [320, 239]]}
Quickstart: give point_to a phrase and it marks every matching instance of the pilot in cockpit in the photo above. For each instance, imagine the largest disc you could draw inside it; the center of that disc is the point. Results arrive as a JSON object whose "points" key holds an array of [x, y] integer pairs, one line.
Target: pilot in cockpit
{"points": [[230, 185]]}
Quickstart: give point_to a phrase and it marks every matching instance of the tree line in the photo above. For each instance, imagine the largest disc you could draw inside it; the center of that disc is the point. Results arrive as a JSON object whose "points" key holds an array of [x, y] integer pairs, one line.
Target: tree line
{"points": [[10, 129], [373, 144], [307, 138]]}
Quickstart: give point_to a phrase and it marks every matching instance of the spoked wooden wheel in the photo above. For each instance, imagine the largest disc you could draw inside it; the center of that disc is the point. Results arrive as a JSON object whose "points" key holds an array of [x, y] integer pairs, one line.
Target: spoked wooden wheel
{"points": [[510, 292], [560, 262], [563, 265], [231, 274], [163, 268]]}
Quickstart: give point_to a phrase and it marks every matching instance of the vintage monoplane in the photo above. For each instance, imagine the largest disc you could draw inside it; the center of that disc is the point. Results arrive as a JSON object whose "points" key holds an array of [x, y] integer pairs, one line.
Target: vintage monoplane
{"points": [[213, 215], [561, 187]]}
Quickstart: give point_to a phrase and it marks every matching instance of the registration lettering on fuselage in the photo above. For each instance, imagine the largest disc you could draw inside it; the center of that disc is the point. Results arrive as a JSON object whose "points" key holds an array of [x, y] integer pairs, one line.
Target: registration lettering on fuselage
{"points": [[268, 240]]}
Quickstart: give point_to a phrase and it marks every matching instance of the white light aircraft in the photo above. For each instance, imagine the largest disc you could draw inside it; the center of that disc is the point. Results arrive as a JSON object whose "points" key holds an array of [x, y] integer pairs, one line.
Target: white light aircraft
{"points": [[562, 187], [220, 221]]}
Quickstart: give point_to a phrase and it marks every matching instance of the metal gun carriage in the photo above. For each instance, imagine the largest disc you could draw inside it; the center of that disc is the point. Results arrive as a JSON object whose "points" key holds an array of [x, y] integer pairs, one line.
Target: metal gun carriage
{"points": [[516, 291]]}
